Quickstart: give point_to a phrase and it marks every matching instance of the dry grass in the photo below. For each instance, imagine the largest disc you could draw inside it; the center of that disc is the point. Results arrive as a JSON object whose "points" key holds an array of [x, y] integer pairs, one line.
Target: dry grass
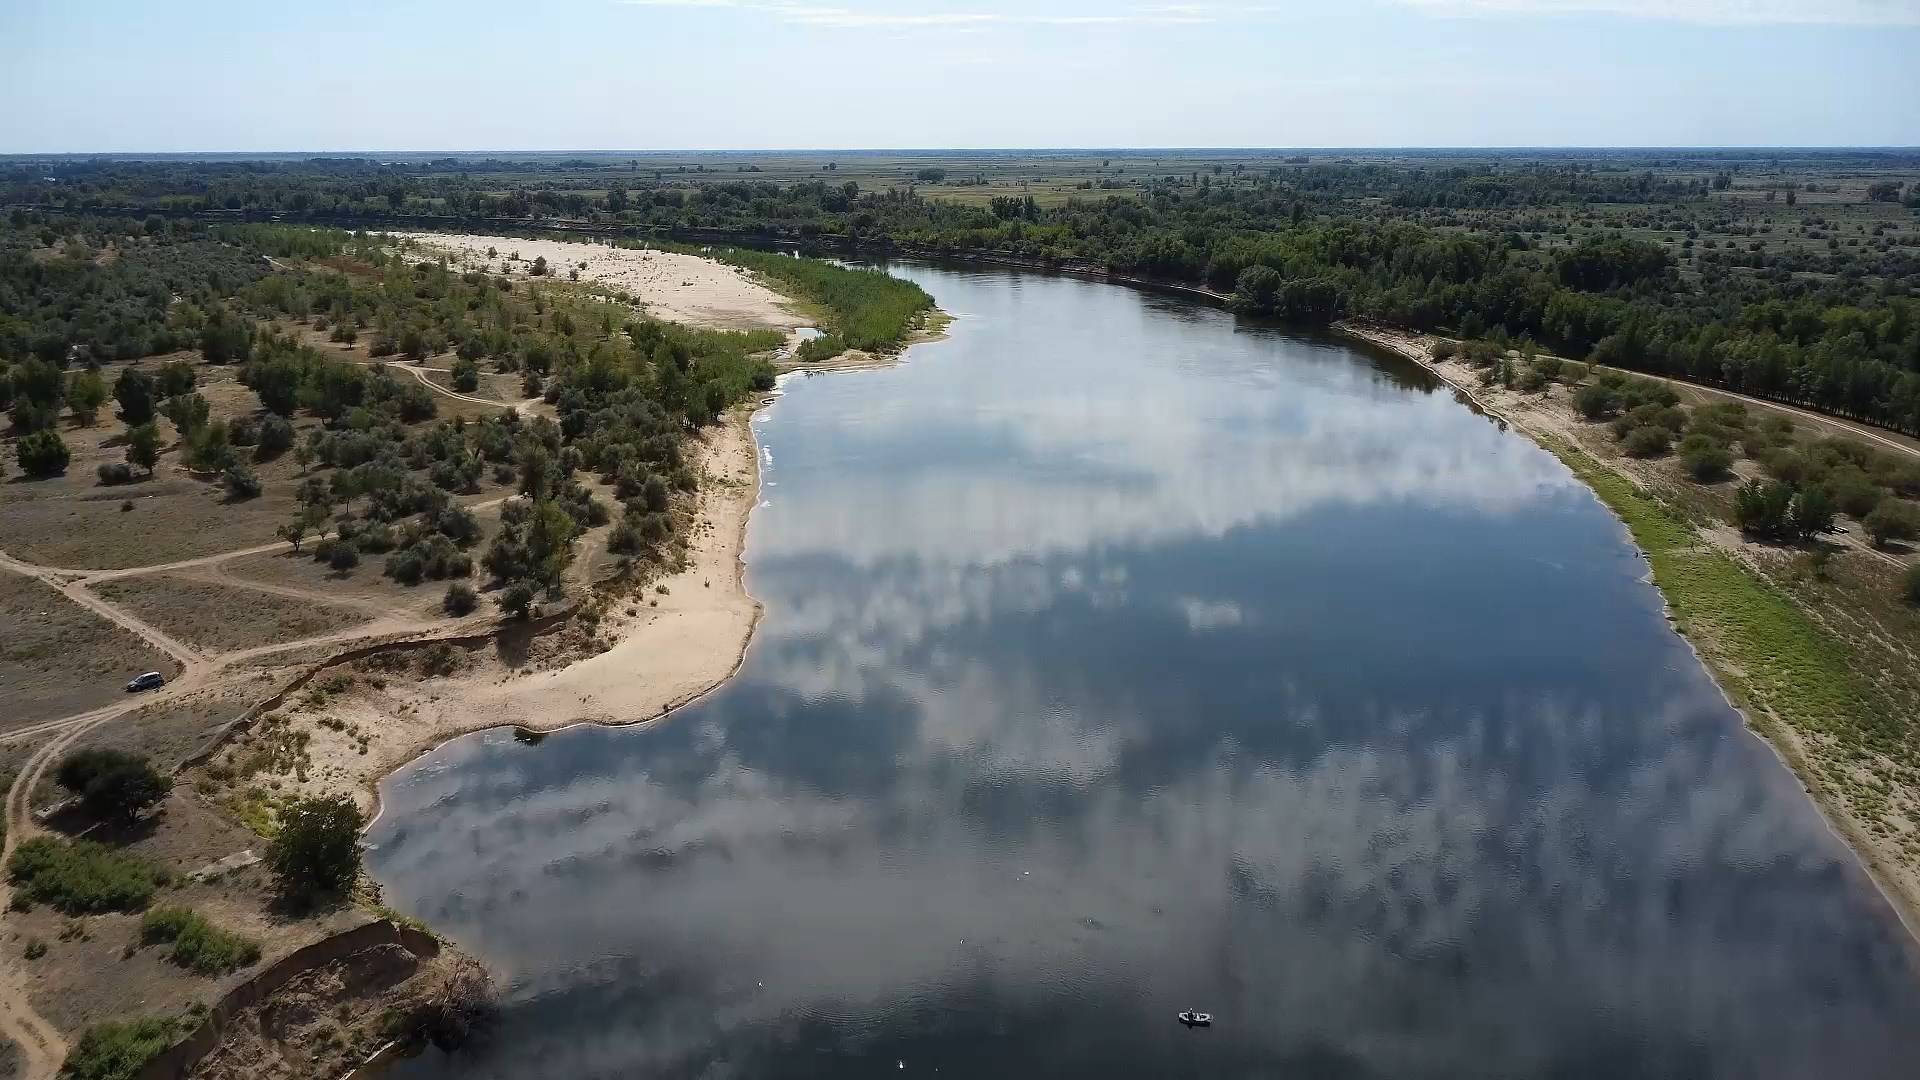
{"points": [[57, 657], [220, 617]]}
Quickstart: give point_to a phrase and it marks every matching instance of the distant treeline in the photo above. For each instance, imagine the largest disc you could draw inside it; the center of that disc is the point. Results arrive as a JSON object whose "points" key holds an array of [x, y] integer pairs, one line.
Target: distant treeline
{"points": [[1835, 329]]}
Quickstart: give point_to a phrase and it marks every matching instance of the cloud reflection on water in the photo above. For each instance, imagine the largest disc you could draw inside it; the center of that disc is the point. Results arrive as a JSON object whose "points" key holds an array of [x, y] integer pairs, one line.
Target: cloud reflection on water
{"points": [[1178, 665]]}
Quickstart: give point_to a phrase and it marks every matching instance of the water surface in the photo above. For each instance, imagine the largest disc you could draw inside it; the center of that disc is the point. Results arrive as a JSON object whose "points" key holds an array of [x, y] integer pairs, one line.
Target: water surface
{"points": [[1120, 658]]}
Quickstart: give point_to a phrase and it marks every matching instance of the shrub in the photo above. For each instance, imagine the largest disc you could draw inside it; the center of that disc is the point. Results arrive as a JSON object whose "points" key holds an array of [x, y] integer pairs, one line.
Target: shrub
{"points": [[341, 556], [317, 850], [466, 376], [276, 437], [42, 453], [516, 600], [81, 877], [112, 783], [1911, 584], [1706, 463], [198, 945], [119, 1049], [1853, 491], [114, 472], [405, 567], [460, 599], [241, 481], [1647, 440], [1596, 402], [1892, 520]]}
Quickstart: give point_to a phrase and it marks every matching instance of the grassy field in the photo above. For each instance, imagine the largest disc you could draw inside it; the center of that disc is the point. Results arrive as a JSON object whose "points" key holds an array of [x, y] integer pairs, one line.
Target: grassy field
{"points": [[57, 658], [218, 617]]}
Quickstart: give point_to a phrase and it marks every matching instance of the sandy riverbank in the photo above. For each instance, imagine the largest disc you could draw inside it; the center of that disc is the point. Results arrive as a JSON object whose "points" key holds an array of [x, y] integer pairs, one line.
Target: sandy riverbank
{"points": [[1547, 419], [679, 288]]}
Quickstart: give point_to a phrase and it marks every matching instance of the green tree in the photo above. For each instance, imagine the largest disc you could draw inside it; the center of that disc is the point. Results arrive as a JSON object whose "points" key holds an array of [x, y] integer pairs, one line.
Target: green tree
{"points": [[134, 390], [1760, 507], [1810, 513], [143, 446], [42, 453], [550, 534], [1256, 290], [226, 337], [112, 783], [176, 377], [187, 412], [316, 853], [85, 394], [466, 375]]}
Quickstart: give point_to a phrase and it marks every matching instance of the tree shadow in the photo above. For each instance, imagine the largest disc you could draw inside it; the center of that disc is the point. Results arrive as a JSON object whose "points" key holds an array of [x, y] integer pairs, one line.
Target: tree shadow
{"points": [[72, 820], [513, 645]]}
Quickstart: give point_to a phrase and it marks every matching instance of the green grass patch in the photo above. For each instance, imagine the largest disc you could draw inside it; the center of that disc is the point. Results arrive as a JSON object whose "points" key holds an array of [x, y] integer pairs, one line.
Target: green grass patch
{"points": [[198, 945], [81, 877], [118, 1050]]}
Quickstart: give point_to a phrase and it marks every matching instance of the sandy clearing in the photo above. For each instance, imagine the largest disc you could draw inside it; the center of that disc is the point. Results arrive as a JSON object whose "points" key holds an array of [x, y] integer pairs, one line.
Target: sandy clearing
{"points": [[679, 288]]}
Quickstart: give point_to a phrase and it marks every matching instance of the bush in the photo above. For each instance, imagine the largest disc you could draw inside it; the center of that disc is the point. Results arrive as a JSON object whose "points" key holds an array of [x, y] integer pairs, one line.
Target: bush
{"points": [[276, 437], [316, 853], [118, 1050], [516, 600], [1596, 402], [1648, 440], [1853, 491], [466, 376], [1911, 584], [114, 472], [81, 877], [1892, 520], [241, 481], [42, 453], [112, 783], [460, 599], [198, 945], [1706, 463], [341, 556]]}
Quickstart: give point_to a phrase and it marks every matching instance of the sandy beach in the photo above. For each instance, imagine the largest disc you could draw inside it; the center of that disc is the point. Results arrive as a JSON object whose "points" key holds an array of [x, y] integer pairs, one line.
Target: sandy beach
{"points": [[679, 288]]}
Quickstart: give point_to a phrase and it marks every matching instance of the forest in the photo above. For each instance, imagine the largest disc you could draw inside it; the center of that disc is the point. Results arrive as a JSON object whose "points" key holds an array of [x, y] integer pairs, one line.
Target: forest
{"points": [[1772, 278]]}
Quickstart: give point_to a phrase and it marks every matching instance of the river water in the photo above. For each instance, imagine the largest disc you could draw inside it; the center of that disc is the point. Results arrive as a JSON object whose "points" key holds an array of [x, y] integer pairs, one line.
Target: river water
{"points": [[1119, 658]]}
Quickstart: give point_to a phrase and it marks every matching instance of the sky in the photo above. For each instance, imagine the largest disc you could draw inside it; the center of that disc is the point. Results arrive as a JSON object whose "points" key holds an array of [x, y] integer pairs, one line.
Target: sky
{"points": [[241, 75]]}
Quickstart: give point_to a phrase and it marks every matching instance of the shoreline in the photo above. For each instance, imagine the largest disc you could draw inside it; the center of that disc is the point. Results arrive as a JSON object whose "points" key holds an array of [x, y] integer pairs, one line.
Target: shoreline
{"points": [[1775, 734]]}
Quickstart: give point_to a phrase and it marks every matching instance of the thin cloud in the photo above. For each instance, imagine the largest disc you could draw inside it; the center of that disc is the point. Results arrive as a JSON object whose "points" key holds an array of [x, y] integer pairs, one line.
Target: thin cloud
{"points": [[1716, 12], [1719, 12], [853, 18]]}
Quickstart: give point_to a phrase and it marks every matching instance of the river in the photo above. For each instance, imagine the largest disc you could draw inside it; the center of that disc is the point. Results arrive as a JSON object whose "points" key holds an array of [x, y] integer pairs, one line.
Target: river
{"points": [[1121, 657]]}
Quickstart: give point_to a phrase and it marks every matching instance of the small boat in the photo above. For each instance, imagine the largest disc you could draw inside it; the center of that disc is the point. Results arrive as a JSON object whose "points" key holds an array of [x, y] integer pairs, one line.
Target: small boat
{"points": [[1196, 1019]]}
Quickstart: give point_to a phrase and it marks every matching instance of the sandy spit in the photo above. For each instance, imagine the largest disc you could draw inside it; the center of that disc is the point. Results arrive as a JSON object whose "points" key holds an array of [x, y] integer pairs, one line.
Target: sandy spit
{"points": [[668, 648], [1880, 860], [679, 288]]}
